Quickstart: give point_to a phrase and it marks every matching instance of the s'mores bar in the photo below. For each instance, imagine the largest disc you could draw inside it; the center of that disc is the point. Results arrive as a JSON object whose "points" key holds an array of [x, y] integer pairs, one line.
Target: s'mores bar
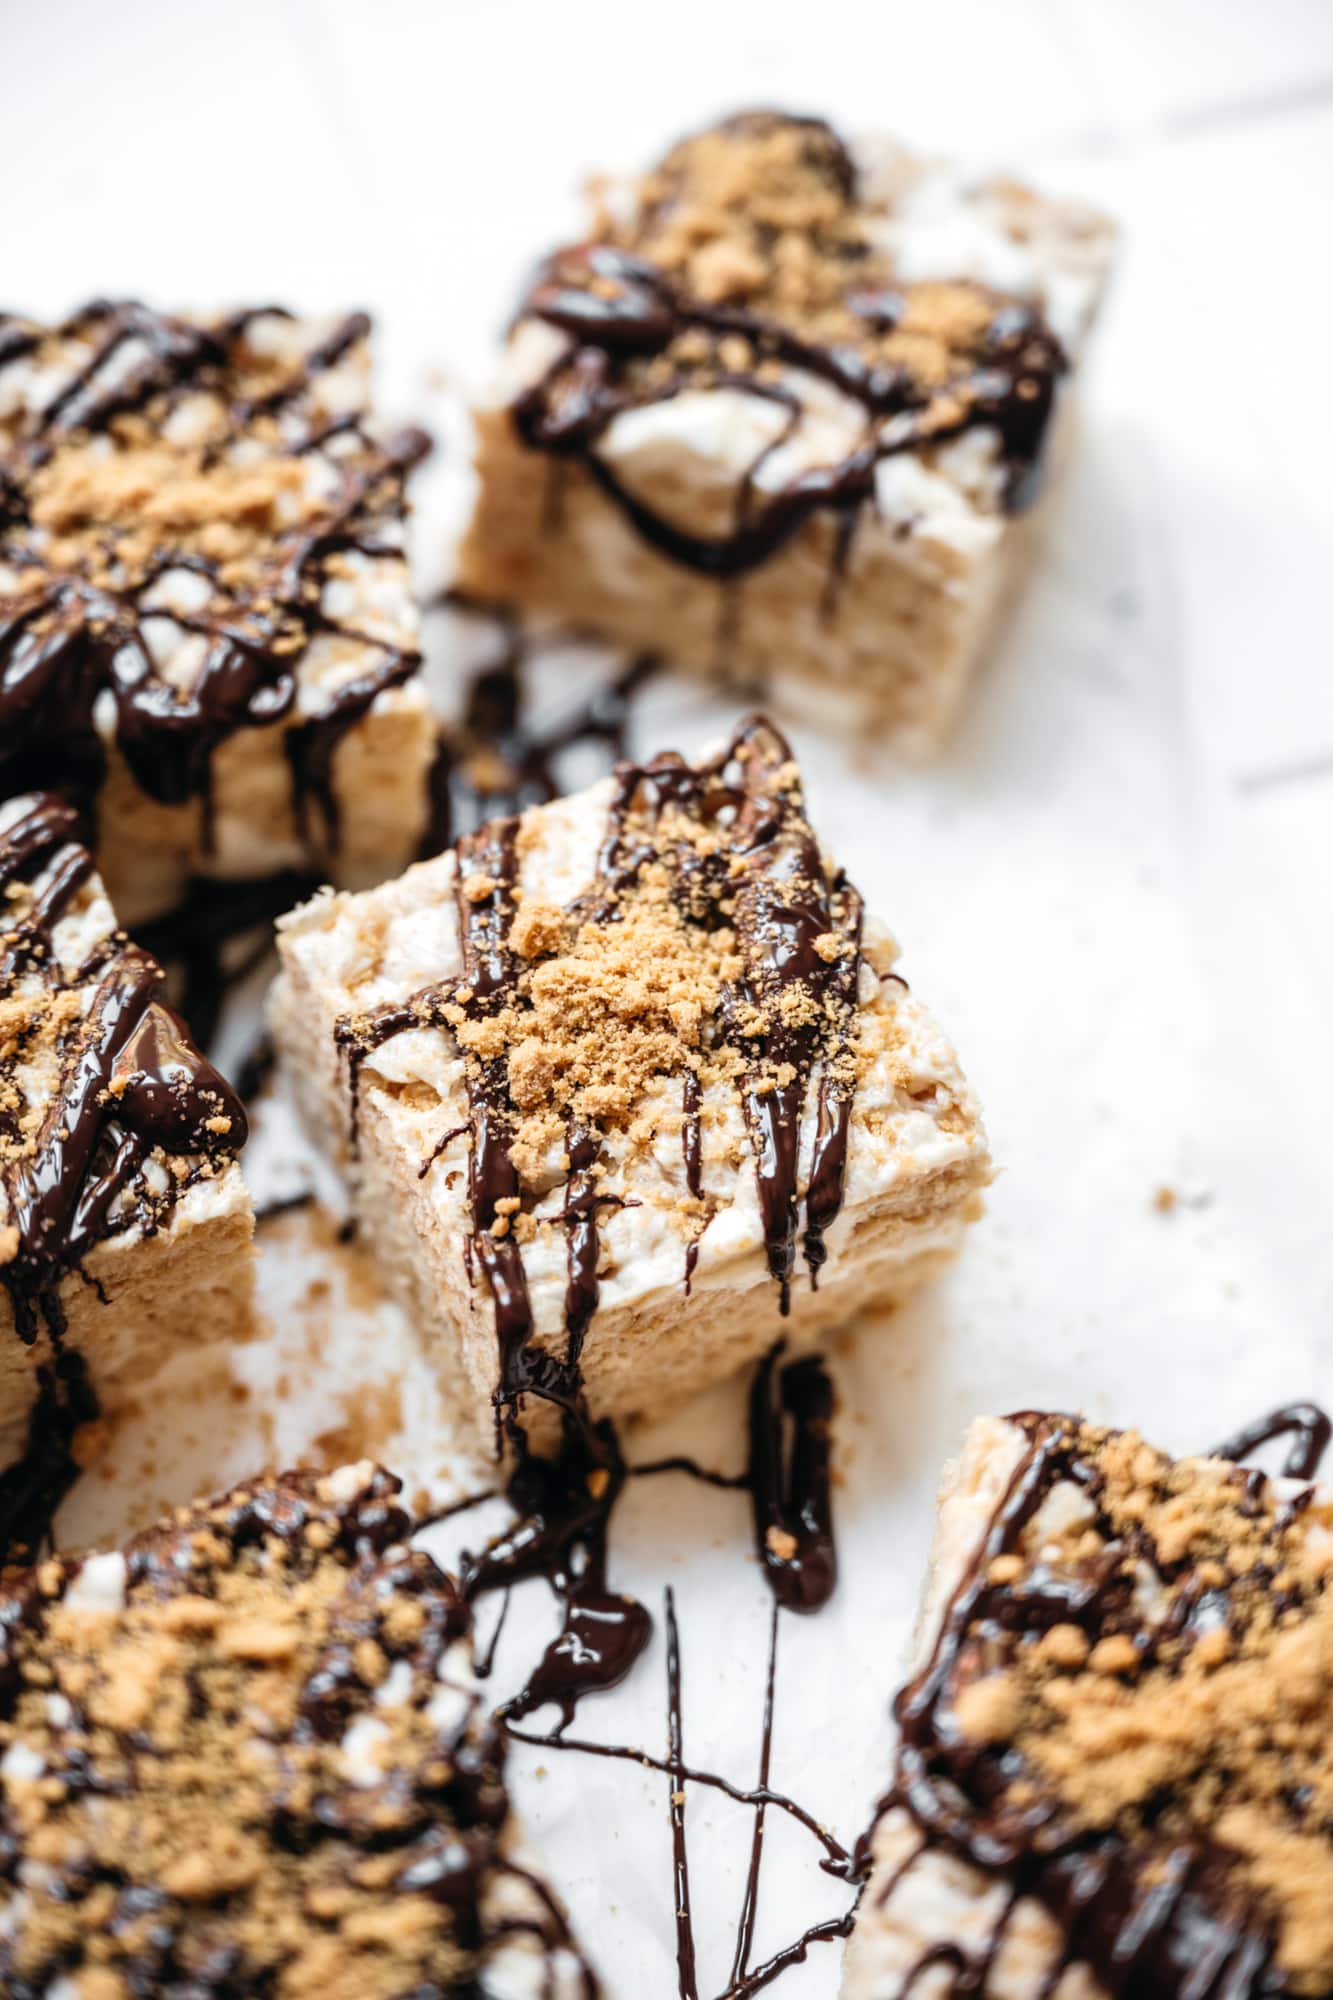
{"points": [[622, 1081], [125, 1226], [247, 1755], [780, 414], [206, 626], [1115, 1774]]}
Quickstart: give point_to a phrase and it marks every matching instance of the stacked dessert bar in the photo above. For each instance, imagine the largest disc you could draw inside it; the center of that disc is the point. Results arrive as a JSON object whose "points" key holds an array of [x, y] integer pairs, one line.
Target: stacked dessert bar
{"points": [[625, 1089], [1114, 1774], [621, 1082], [206, 627], [246, 1754], [780, 414], [125, 1225]]}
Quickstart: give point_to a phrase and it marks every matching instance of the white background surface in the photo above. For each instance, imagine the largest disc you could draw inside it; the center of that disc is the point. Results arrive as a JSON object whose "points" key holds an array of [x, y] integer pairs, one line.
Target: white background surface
{"points": [[1117, 887]]}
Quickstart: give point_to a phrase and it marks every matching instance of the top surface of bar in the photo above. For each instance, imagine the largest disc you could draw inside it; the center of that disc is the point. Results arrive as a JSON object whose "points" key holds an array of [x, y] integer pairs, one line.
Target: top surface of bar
{"points": [[759, 257], [648, 1011], [247, 1755], [1125, 1713], [195, 523]]}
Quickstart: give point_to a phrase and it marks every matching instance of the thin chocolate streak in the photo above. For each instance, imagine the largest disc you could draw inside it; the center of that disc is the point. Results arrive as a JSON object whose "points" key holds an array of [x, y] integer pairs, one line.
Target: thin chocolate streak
{"points": [[65, 642], [838, 1859], [1312, 1430], [687, 1977], [831, 1929], [750, 1907], [619, 309], [1169, 1920]]}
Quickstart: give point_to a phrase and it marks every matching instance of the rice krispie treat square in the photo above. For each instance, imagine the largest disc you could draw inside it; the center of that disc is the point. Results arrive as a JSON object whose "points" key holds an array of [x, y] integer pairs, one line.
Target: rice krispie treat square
{"points": [[206, 624], [1115, 1773], [781, 413], [247, 1754], [623, 1081], [125, 1226]]}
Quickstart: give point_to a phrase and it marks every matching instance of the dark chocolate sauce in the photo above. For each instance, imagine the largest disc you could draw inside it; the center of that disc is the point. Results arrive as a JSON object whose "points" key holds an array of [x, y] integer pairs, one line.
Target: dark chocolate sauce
{"points": [[1305, 1422], [793, 1507], [563, 1507], [687, 1976], [1166, 1918], [496, 760], [445, 1836], [217, 937], [789, 1490], [623, 314], [66, 641], [32, 1489], [131, 1082]]}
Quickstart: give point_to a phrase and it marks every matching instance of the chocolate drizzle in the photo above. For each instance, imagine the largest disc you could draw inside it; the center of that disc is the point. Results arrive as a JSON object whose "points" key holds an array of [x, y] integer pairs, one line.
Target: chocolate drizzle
{"points": [[131, 1082], [497, 760], [129, 1086], [798, 939], [646, 324], [793, 1514], [74, 629], [1163, 1915], [799, 1579], [432, 1828], [1305, 1422]]}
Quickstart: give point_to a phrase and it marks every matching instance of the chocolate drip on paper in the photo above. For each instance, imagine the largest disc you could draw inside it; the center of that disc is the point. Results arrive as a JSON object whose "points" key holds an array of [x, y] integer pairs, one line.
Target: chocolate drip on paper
{"points": [[789, 1494], [790, 1486], [496, 760], [1305, 1423], [1162, 1916], [66, 641], [624, 314]]}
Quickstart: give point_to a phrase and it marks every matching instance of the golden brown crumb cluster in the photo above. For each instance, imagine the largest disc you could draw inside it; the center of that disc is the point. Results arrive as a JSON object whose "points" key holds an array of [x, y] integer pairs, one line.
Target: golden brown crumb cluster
{"points": [[205, 474], [762, 214], [224, 1762], [1194, 1701], [646, 983]]}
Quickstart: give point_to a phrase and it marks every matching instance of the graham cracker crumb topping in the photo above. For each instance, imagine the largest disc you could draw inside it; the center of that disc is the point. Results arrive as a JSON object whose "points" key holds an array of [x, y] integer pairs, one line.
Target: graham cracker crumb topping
{"points": [[749, 259], [224, 1766], [1186, 1699]]}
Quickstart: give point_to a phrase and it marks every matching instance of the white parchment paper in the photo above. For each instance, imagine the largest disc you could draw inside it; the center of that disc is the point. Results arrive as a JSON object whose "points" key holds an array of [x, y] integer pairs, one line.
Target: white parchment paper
{"points": [[1129, 947]]}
